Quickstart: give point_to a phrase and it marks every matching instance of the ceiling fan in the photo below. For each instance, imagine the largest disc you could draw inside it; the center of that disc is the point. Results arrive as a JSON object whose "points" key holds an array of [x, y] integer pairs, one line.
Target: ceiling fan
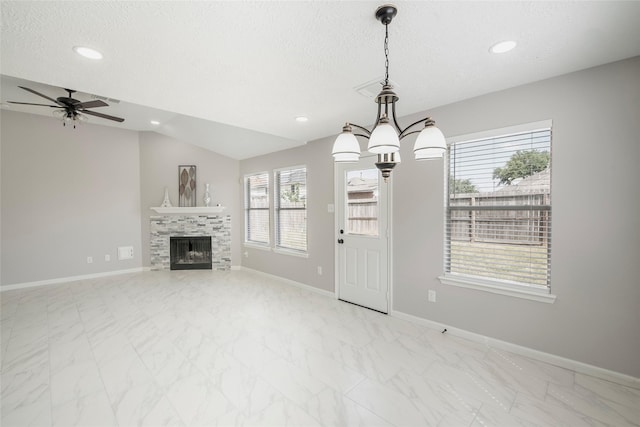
{"points": [[71, 110]]}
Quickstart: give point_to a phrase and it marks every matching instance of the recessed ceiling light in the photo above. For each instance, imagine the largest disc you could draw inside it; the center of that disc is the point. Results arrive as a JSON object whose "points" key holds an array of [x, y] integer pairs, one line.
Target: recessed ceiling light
{"points": [[302, 119], [87, 52], [155, 122], [502, 47]]}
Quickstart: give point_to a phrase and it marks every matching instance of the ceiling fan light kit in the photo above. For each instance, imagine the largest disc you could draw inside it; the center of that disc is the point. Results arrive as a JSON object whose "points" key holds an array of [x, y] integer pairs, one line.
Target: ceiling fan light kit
{"points": [[384, 139], [73, 118], [71, 110]]}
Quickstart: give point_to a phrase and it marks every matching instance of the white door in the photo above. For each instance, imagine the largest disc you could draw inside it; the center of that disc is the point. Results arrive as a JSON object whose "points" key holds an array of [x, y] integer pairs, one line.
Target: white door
{"points": [[362, 255]]}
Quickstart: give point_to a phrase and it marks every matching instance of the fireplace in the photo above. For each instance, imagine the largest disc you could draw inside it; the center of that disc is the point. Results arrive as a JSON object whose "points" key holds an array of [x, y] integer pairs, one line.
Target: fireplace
{"points": [[163, 227], [190, 253]]}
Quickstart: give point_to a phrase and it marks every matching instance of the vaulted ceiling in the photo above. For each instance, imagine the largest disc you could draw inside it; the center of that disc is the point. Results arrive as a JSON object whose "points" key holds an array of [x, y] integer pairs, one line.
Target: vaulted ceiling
{"points": [[232, 76]]}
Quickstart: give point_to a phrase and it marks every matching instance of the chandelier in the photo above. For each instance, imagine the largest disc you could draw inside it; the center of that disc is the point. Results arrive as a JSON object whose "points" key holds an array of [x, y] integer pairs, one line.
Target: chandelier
{"points": [[384, 138]]}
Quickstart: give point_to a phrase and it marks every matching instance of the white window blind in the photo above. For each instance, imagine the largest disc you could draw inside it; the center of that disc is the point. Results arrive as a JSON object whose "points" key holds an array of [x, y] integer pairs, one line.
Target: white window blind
{"points": [[498, 214], [256, 208], [291, 209]]}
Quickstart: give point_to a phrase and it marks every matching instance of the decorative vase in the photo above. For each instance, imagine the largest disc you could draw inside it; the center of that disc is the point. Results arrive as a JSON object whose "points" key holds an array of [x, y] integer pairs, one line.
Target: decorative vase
{"points": [[207, 197], [166, 203]]}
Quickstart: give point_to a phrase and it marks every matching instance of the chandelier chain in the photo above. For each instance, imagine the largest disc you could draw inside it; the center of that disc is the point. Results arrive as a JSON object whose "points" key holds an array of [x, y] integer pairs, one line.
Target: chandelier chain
{"points": [[386, 54]]}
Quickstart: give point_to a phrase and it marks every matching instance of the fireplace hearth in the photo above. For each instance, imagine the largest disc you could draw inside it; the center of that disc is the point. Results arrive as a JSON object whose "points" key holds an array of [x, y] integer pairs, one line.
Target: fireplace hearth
{"points": [[190, 253]]}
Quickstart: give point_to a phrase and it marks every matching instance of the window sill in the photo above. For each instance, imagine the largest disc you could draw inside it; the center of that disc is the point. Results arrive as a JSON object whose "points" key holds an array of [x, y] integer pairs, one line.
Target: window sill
{"points": [[539, 295], [257, 246], [291, 252]]}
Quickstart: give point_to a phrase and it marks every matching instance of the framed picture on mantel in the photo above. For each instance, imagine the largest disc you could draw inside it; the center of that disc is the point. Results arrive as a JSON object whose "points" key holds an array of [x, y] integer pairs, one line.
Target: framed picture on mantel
{"points": [[187, 185]]}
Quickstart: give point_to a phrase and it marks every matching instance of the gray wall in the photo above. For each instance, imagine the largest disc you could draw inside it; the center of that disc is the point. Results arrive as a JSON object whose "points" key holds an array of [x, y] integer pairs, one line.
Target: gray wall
{"points": [[66, 194], [595, 223], [596, 226], [71, 193], [159, 159], [320, 235]]}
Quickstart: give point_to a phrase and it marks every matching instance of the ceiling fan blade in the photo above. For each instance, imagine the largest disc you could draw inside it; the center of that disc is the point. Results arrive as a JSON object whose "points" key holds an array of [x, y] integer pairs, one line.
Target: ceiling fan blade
{"points": [[91, 104], [104, 116], [44, 96], [29, 103]]}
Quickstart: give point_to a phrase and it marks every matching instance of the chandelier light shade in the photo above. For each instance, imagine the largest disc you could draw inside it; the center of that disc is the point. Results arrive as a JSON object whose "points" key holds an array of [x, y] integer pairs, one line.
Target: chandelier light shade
{"points": [[430, 143], [346, 149], [429, 154], [384, 139]]}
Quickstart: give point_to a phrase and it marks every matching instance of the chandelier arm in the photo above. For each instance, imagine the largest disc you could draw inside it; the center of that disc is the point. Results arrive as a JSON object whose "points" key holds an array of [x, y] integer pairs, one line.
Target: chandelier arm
{"points": [[359, 134], [402, 134], [361, 128], [395, 121], [410, 133], [378, 117]]}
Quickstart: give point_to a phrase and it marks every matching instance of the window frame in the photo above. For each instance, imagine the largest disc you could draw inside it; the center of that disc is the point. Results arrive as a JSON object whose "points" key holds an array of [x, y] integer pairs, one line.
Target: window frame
{"points": [[540, 293], [277, 247], [247, 209]]}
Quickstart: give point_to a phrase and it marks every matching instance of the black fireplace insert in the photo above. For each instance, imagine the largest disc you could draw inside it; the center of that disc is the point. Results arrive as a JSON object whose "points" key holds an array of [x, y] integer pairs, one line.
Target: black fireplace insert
{"points": [[190, 253]]}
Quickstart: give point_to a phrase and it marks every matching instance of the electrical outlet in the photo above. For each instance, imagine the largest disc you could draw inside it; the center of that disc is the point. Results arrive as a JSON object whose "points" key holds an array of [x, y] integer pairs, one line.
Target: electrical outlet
{"points": [[89, 260], [246, 254], [432, 295], [319, 271], [107, 257]]}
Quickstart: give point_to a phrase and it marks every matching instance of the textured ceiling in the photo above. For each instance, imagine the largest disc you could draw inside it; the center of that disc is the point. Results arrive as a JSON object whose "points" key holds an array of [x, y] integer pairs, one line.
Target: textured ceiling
{"points": [[252, 67]]}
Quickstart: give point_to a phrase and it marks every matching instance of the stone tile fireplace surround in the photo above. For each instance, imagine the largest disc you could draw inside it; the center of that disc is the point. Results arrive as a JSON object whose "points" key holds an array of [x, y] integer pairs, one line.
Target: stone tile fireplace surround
{"points": [[165, 226]]}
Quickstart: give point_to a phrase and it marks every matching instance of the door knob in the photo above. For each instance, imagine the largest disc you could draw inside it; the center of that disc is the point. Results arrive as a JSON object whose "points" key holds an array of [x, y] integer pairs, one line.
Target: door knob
{"points": [[341, 241]]}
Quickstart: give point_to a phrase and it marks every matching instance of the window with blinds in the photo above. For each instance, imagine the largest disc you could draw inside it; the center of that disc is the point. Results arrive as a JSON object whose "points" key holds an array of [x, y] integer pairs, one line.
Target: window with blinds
{"points": [[498, 213], [256, 208], [291, 208]]}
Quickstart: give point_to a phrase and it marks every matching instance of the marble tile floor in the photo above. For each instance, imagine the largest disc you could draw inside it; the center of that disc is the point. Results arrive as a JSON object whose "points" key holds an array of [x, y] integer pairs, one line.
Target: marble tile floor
{"points": [[202, 348]]}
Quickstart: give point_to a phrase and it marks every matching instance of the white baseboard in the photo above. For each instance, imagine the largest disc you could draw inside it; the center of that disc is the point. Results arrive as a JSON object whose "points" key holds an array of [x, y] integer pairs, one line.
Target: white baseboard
{"points": [[574, 365], [71, 279], [291, 282]]}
